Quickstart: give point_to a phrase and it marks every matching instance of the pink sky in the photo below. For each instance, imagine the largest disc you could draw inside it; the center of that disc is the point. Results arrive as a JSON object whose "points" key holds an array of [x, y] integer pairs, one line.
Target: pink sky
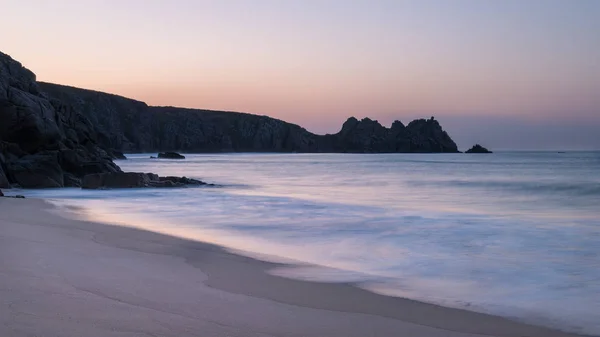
{"points": [[315, 63]]}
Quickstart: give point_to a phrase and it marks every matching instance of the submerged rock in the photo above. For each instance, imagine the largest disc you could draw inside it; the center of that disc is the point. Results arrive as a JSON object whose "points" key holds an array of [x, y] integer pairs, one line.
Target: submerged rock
{"points": [[182, 180], [170, 155], [478, 149], [165, 183], [134, 180]]}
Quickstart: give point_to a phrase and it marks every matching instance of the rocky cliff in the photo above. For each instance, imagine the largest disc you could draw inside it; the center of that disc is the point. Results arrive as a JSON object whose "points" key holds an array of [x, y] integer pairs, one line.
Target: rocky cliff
{"points": [[132, 126], [43, 142], [53, 135]]}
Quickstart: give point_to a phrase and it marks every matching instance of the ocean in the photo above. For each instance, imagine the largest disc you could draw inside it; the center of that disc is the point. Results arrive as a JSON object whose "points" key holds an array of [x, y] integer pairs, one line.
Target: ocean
{"points": [[515, 234]]}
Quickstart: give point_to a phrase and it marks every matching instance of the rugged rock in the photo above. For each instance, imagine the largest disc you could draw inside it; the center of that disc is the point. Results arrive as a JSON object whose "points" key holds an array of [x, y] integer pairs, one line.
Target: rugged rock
{"points": [[170, 155], [182, 180], [368, 136], [134, 180], [40, 170], [116, 180], [118, 155], [165, 183], [478, 149], [120, 123], [42, 139]]}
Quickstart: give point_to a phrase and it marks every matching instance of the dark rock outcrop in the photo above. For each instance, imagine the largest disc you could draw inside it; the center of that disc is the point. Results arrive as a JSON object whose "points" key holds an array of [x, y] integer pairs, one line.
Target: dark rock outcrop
{"points": [[368, 136], [42, 139], [118, 155], [478, 149], [40, 170], [1, 194], [132, 126], [170, 155], [120, 123], [134, 180], [116, 180], [182, 180]]}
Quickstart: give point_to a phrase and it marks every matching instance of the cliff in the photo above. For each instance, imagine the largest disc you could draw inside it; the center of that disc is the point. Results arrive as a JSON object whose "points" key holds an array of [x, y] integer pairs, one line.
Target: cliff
{"points": [[53, 135], [131, 126], [43, 142]]}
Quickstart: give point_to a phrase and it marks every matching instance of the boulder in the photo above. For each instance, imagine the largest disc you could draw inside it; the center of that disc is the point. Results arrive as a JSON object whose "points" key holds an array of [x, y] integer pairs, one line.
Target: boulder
{"points": [[170, 155], [478, 149], [1, 194]]}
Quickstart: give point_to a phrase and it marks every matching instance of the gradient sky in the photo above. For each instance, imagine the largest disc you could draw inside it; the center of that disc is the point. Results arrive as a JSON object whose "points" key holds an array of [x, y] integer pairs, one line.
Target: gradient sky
{"points": [[511, 74]]}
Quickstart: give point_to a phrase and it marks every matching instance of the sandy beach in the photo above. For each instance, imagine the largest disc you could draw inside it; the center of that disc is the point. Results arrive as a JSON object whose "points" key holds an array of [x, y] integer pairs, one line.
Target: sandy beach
{"points": [[63, 277]]}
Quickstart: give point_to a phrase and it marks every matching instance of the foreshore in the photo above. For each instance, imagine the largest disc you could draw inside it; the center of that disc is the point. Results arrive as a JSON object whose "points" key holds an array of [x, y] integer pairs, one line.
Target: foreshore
{"points": [[65, 277]]}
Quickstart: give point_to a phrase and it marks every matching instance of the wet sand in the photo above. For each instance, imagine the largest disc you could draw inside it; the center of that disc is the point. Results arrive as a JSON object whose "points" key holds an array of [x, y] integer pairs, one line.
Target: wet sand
{"points": [[64, 277]]}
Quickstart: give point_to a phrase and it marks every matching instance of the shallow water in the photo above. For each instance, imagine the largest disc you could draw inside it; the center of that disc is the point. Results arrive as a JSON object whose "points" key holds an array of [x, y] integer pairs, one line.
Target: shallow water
{"points": [[513, 234]]}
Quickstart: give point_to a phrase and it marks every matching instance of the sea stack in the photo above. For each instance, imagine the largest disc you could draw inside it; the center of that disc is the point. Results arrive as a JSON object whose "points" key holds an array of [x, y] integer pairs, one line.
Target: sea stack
{"points": [[478, 149]]}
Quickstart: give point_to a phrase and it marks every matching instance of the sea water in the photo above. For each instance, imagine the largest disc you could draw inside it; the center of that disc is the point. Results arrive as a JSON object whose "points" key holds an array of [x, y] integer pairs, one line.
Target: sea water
{"points": [[511, 234]]}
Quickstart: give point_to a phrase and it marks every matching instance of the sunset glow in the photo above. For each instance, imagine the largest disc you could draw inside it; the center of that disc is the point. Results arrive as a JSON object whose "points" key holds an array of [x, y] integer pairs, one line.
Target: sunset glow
{"points": [[315, 63]]}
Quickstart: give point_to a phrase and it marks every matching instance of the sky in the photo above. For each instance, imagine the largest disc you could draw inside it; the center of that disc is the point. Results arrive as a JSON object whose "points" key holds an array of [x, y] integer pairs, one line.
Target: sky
{"points": [[509, 74]]}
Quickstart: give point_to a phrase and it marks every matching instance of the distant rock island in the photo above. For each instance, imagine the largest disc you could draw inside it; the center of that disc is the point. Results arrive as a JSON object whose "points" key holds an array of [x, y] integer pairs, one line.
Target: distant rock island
{"points": [[53, 135], [170, 155], [478, 149]]}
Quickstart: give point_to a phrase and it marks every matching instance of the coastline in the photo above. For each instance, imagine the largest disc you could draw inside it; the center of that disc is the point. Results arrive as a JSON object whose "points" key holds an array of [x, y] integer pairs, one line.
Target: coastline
{"points": [[66, 277]]}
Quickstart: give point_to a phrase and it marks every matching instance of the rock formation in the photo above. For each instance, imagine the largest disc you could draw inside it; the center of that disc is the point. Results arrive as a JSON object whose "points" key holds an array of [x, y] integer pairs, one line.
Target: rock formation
{"points": [[478, 149], [135, 180], [170, 155], [43, 142], [118, 155], [368, 136]]}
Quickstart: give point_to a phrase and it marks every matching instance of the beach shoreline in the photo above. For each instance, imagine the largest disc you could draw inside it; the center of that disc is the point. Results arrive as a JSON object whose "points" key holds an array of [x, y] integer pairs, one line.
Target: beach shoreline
{"points": [[63, 277]]}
